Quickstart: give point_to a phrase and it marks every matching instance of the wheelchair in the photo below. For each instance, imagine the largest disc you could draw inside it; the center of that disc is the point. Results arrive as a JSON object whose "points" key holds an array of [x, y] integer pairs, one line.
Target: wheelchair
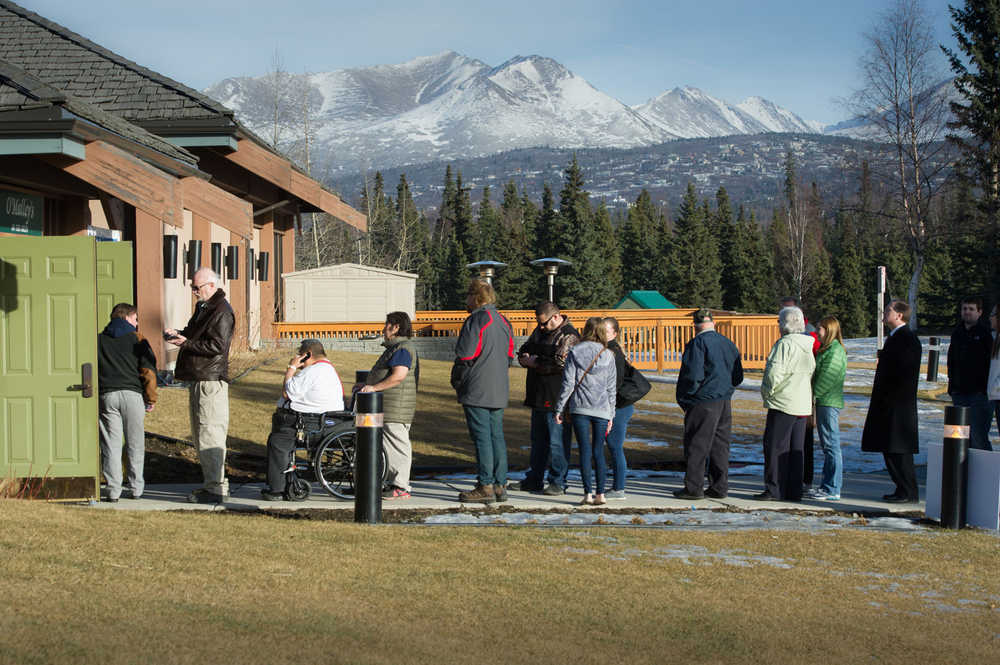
{"points": [[330, 454]]}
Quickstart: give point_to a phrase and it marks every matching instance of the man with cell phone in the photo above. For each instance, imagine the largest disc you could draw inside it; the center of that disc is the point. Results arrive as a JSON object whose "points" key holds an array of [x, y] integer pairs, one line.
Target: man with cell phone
{"points": [[311, 388], [204, 362]]}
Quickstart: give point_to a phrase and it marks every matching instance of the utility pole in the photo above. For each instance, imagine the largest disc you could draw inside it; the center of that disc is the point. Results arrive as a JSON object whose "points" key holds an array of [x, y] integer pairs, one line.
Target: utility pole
{"points": [[880, 280]]}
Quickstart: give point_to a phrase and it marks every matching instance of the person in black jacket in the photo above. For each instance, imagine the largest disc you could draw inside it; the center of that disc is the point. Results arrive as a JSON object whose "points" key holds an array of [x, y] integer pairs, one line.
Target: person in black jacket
{"points": [[204, 361], [544, 355], [968, 369], [126, 376], [480, 377], [623, 413], [711, 368], [891, 424]]}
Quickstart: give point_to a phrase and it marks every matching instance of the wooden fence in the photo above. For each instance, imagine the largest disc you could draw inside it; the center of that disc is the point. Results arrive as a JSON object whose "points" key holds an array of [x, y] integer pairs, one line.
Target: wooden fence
{"points": [[653, 339]]}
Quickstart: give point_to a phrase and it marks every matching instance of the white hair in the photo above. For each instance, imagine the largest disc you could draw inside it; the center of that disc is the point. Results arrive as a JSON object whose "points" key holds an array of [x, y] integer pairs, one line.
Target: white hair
{"points": [[209, 275], [791, 320]]}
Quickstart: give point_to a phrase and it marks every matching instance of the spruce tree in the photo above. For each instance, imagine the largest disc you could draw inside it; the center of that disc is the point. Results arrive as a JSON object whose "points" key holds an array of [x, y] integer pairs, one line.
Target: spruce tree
{"points": [[730, 253], [694, 265], [607, 289], [515, 284], [849, 279], [640, 245], [489, 231]]}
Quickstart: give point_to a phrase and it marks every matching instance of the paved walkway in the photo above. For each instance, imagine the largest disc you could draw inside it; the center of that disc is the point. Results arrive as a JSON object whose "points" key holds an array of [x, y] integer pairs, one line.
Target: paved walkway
{"points": [[862, 493]]}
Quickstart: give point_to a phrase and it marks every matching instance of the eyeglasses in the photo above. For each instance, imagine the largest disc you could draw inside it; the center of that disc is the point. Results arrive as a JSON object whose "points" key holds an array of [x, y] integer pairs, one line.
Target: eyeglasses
{"points": [[546, 323], [197, 287]]}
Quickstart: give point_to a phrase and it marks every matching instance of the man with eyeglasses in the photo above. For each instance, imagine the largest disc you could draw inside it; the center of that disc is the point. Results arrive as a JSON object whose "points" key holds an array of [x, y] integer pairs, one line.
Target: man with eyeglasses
{"points": [[204, 362], [544, 355]]}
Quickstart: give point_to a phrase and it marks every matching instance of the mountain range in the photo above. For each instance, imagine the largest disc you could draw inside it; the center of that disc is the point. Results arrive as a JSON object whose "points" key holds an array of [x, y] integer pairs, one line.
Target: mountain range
{"points": [[449, 106]]}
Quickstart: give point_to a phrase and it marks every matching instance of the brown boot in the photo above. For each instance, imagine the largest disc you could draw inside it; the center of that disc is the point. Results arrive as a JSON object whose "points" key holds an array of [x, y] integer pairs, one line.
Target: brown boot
{"points": [[479, 494], [500, 492]]}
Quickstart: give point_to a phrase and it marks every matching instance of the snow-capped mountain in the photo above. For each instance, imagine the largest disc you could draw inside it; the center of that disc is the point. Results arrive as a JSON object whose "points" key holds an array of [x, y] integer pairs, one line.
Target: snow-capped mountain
{"points": [[690, 113], [450, 106]]}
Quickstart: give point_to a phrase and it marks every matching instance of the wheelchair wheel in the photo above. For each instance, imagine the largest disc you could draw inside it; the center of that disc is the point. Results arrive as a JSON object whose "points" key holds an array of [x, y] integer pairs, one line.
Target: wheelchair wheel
{"points": [[298, 489], [335, 461]]}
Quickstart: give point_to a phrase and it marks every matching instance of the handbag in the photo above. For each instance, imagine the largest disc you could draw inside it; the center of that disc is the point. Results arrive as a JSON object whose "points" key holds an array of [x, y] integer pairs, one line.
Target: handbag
{"points": [[634, 386]]}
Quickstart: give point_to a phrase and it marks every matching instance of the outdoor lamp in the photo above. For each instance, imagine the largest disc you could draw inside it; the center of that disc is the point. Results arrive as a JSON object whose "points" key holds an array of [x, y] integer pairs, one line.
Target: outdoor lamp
{"points": [[170, 257], [551, 267], [233, 262], [217, 258], [193, 258], [262, 266], [487, 269]]}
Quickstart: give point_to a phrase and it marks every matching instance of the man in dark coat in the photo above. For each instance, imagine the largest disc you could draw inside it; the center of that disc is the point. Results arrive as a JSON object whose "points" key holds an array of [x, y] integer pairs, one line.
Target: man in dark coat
{"points": [[968, 368], [711, 368], [891, 425]]}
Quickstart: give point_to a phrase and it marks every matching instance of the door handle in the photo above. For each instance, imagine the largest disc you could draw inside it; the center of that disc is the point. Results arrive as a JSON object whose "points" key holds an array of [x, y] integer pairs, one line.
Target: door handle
{"points": [[87, 377]]}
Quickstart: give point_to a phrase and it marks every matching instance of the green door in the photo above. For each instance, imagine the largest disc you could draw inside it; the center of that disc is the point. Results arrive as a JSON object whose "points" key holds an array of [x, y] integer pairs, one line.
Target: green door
{"points": [[114, 278], [48, 364]]}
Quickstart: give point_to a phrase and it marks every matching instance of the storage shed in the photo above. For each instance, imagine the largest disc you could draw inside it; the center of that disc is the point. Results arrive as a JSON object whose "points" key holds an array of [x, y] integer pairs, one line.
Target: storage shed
{"points": [[348, 292]]}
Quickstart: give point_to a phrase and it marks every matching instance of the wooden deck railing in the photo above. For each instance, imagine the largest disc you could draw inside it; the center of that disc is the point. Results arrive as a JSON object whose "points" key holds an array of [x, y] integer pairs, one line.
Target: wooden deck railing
{"points": [[653, 339]]}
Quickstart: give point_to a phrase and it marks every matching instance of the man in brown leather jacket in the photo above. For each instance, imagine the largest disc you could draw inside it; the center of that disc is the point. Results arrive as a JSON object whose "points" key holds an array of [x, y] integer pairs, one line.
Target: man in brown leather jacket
{"points": [[204, 362]]}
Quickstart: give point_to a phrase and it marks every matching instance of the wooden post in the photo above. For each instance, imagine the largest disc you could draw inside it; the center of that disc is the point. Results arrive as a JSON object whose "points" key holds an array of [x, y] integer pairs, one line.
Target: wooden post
{"points": [[660, 345]]}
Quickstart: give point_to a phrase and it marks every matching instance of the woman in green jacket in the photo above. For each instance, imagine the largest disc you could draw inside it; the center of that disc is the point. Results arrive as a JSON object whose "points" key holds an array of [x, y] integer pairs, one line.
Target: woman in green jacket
{"points": [[828, 392]]}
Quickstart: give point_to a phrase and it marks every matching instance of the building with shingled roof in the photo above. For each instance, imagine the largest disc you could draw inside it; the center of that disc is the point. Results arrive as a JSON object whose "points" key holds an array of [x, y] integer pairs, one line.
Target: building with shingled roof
{"points": [[104, 144]]}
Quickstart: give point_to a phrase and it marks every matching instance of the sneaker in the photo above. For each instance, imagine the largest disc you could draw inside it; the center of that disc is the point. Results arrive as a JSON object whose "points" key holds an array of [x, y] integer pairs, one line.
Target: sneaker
{"points": [[615, 494], [588, 500], [820, 494], [204, 496], [524, 486], [268, 495], [553, 490], [391, 493], [500, 492], [478, 494], [599, 500]]}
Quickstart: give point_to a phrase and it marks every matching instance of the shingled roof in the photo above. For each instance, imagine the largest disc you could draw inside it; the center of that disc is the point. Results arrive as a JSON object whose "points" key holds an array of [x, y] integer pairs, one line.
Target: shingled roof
{"points": [[20, 91], [91, 73]]}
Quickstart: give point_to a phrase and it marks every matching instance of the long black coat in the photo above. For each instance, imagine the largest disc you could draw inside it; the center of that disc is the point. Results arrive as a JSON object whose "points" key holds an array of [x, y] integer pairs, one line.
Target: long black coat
{"points": [[891, 425]]}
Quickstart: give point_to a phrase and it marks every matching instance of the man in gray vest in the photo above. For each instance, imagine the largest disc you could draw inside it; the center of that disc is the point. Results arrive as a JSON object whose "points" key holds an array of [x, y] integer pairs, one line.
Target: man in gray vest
{"points": [[396, 374]]}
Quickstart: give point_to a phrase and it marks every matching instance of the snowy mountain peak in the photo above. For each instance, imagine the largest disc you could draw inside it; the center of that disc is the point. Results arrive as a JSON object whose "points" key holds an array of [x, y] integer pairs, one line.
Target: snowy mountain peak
{"points": [[448, 106]]}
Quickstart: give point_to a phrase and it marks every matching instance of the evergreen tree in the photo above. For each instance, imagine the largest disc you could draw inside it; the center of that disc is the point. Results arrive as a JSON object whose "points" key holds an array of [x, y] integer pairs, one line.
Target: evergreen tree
{"points": [[640, 245], [976, 28], [848, 270], [730, 253], [380, 247], [574, 239], [515, 284], [607, 289], [490, 232], [755, 268], [465, 229], [694, 264]]}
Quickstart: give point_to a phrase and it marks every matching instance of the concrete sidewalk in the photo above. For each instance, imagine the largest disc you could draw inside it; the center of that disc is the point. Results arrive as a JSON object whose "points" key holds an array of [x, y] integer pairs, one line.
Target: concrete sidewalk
{"points": [[862, 494]]}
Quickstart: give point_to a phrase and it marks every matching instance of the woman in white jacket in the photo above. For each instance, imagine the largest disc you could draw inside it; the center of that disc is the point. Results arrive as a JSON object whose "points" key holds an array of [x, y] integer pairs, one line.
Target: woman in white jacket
{"points": [[588, 393]]}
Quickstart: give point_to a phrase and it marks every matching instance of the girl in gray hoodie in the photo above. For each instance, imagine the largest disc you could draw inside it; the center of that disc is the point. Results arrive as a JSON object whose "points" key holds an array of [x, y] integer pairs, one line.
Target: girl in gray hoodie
{"points": [[588, 394]]}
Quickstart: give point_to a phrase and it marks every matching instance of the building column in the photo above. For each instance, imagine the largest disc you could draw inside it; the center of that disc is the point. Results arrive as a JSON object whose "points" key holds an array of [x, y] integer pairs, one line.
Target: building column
{"points": [[149, 281]]}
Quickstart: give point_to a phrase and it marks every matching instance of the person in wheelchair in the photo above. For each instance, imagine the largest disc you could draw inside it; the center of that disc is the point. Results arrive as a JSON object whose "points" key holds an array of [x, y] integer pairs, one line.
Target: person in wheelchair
{"points": [[311, 388]]}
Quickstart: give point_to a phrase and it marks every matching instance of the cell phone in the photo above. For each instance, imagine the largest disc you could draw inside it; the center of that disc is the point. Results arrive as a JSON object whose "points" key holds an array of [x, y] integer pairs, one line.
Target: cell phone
{"points": [[167, 335], [307, 356]]}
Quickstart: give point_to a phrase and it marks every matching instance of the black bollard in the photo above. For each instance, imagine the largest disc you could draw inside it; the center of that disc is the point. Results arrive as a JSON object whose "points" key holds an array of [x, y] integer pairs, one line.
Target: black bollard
{"points": [[933, 353], [954, 466], [368, 448]]}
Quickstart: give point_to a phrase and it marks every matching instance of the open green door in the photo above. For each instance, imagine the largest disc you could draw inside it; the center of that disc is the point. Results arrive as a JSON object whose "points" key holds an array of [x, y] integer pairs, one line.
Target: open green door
{"points": [[114, 278], [48, 364]]}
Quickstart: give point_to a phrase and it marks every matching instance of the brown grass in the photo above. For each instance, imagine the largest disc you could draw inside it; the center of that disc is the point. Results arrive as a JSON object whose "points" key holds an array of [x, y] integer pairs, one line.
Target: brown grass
{"points": [[87, 586]]}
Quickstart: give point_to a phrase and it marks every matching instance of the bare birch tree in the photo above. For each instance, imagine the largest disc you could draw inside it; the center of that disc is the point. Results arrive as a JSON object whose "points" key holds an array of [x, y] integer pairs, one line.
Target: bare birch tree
{"points": [[901, 72]]}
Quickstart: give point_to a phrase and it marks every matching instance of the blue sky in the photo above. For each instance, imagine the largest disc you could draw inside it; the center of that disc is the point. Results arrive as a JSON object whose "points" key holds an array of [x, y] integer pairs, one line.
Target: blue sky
{"points": [[799, 54]]}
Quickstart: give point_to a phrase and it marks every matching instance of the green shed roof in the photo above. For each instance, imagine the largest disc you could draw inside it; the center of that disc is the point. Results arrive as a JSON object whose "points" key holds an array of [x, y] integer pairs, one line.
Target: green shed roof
{"points": [[645, 300]]}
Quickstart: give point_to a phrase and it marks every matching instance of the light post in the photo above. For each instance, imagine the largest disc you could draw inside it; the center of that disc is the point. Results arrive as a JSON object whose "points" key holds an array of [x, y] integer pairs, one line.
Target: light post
{"points": [[551, 267], [487, 269]]}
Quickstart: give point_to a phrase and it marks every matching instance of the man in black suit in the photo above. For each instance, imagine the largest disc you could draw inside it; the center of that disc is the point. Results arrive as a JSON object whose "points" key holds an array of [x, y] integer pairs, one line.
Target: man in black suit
{"points": [[891, 425]]}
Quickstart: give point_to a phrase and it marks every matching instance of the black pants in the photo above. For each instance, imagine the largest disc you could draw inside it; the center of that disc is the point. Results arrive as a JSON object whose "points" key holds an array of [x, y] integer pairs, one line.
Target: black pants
{"points": [[784, 436], [281, 443], [707, 429], [902, 472], [807, 455]]}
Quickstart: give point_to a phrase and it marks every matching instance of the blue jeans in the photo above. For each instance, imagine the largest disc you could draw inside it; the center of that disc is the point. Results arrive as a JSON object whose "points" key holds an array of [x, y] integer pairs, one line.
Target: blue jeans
{"points": [[551, 444], [979, 419], [616, 444], [486, 429], [590, 435], [996, 415], [828, 428]]}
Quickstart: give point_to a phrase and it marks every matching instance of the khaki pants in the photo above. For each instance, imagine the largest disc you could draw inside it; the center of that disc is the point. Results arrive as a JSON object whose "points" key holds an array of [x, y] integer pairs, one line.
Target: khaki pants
{"points": [[208, 402], [398, 454]]}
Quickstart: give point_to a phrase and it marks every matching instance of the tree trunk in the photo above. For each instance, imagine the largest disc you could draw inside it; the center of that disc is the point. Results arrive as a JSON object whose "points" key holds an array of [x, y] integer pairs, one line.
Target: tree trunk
{"points": [[911, 293]]}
